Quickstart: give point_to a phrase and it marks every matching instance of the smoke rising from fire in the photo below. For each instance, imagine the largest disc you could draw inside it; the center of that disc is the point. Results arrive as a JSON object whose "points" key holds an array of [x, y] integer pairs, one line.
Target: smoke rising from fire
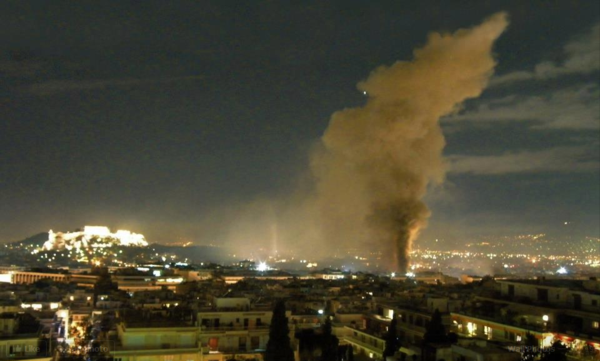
{"points": [[373, 165], [370, 171]]}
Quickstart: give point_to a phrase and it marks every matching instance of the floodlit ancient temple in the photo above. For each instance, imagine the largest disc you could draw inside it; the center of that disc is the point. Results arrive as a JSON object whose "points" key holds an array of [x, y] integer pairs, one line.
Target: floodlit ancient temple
{"points": [[93, 236]]}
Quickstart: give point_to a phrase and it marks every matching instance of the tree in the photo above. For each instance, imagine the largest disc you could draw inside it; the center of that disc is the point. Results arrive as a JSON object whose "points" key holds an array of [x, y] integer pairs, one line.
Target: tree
{"points": [[435, 332], [327, 328], [308, 344], [278, 347], [392, 344], [329, 308], [350, 353], [452, 337], [43, 283], [103, 284], [531, 348], [329, 343], [558, 352]]}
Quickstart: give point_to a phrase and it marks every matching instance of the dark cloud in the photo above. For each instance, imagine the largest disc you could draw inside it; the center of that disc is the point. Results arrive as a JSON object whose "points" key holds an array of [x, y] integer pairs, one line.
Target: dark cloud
{"points": [[60, 86], [572, 107], [559, 159], [581, 56]]}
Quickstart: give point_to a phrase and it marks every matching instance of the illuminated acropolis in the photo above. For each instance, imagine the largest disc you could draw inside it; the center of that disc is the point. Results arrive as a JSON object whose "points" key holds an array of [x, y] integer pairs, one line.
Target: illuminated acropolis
{"points": [[84, 239]]}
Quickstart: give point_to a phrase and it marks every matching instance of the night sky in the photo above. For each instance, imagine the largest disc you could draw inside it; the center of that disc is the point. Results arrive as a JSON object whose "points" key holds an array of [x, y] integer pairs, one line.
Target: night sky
{"points": [[167, 117]]}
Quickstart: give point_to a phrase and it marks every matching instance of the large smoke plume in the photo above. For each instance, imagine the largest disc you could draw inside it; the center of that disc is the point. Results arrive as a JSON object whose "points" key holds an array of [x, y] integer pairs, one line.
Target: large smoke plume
{"points": [[371, 169], [374, 163]]}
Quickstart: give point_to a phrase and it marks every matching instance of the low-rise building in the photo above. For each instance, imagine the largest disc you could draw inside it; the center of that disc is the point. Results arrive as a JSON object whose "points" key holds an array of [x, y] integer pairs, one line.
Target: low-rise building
{"points": [[155, 341], [234, 327]]}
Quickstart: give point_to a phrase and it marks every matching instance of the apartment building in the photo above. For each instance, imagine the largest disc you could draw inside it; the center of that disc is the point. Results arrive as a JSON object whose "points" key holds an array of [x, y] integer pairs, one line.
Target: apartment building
{"points": [[550, 310], [19, 337], [164, 341], [233, 327], [365, 342], [229, 328], [27, 277], [139, 283]]}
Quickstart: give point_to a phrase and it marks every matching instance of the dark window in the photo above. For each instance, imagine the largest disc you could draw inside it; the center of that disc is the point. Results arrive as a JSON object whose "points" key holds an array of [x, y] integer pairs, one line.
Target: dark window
{"points": [[511, 290], [542, 294], [577, 302], [255, 342]]}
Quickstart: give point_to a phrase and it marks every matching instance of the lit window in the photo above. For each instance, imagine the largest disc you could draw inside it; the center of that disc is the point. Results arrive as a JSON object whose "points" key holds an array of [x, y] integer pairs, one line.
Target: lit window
{"points": [[596, 324], [518, 338], [390, 314], [487, 330], [471, 328]]}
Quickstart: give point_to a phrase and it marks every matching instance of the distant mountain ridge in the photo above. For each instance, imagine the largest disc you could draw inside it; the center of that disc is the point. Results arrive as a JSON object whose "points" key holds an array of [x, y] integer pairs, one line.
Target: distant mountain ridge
{"points": [[35, 240]]}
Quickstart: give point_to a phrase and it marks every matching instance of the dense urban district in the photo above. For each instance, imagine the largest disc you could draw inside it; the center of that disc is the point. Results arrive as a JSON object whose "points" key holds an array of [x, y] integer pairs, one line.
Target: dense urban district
{"points": [[156, 305]]}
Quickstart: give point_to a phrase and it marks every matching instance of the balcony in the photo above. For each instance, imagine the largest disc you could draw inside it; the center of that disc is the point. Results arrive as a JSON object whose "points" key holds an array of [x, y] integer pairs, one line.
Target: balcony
{"points": [[119, 347], [503, 321], [231, 351], [367, 332], [205, 329], [411, 327], [357, 341]]}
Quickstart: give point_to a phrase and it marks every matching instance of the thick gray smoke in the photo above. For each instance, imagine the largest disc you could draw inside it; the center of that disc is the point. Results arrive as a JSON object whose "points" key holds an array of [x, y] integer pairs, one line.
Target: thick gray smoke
{"points": [[374, 163]]}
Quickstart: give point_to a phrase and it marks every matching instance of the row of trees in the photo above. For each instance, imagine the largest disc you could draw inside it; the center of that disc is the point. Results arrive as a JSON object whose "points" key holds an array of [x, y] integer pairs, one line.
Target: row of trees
{"points": [[323, 346], [279, 347]]}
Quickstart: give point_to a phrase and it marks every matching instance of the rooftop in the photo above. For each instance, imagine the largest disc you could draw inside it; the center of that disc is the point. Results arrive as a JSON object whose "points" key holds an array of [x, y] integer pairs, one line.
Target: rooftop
{"points": [[574, 285], [144, 319]]}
